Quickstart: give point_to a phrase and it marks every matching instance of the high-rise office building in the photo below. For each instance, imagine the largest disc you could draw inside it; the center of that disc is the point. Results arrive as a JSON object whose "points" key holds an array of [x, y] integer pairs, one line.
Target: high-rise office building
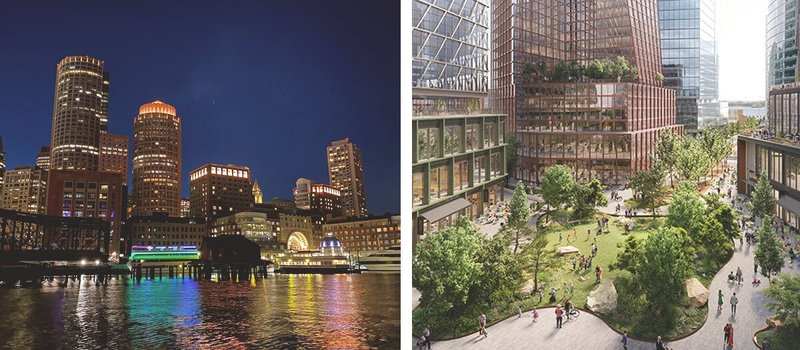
{"points": [[690, 61], [781, 42], [157, 160], [24, 190], [346, 173], [549, 76], [185, 207], [459, 144], [80, 107], [43, 158], [325, 199], [114, 154], [219, 190], [258, 196]]}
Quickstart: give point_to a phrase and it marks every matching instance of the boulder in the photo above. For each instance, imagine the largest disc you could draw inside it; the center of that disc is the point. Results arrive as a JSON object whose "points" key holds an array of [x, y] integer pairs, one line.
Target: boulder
{"points": [[603, 299], [696, 292], [773, 321], [567, 250]]}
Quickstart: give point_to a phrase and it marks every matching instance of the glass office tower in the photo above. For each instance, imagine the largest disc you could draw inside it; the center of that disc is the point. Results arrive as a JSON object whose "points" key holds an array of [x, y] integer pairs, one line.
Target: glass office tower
{"points": [[781, 42], [690, 60]]}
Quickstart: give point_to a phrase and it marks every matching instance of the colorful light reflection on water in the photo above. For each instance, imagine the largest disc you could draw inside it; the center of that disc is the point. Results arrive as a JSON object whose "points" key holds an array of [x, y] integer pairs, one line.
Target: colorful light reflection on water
{"points": [[280, 312]]}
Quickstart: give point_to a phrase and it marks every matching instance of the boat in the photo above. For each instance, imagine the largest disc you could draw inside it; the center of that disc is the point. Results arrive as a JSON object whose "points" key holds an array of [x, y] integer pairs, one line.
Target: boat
{"points": [[162, 256], [387, 261], [330, 258]]}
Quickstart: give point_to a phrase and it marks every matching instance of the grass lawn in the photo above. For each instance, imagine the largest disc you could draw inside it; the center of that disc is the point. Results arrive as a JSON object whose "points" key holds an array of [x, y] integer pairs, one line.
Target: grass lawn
{"points": [[781, 338]]}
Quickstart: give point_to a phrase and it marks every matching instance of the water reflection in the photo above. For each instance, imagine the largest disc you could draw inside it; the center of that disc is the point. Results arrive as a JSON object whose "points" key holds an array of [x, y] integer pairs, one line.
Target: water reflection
{"points": [[283, 311]]}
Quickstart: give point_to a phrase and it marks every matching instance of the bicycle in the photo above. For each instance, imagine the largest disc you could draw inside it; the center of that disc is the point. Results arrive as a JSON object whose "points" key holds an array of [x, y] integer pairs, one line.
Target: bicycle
{"points": [[574, 313]]}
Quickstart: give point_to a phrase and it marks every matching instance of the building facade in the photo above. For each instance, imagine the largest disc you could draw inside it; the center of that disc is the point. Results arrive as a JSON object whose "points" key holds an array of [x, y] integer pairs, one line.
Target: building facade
{"points": [[781, 42], [161, 230], [309, 195], [346, 173], [563, 105], [80, 108], [90, 194], [43, 158], [365, 234], [219, 190], [157, 160], [185, 205], [258, 196], [254, 226], [24, 190], [690, 61], [114, 154], [298, 232]]}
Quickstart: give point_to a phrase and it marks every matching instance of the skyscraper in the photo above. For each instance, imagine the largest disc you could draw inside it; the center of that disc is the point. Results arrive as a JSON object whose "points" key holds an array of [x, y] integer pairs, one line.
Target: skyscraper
{"points": [[781, 42], [43, 158], [114, 154], [80, 107], [219, 190], [258, 196], [24, 190], [157, 160], [690, 60], [550, 76], [325, 199], [346, 173]]}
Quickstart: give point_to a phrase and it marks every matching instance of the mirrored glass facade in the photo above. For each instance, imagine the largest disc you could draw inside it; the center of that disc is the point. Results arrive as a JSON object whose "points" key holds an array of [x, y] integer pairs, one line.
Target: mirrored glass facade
{"points": [[781, 42], [690, 61]]}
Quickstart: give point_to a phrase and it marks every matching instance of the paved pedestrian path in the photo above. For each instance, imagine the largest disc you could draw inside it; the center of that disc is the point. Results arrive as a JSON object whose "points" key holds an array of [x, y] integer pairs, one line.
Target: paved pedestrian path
{"points": [[590, 332]]}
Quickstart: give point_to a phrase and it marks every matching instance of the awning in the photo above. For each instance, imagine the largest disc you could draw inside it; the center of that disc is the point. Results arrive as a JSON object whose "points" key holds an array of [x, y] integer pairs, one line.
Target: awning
{"points": [[445, 210], [790, 204]]}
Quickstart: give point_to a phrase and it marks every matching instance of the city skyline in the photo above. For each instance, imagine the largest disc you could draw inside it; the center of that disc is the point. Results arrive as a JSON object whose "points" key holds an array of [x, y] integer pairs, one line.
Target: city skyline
{"points": [[273, 102]]}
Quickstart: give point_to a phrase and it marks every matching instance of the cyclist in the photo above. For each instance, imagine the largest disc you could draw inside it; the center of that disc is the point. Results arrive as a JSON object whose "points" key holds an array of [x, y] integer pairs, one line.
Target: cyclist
{"points": [[568, 308]]}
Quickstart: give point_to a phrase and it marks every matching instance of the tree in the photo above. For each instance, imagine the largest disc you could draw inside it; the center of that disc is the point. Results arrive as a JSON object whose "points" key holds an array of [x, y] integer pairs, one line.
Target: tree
{"points": [[662, 269], [712, 241], [500, 276], [586, 198], [667, 150], [724, 214], [557, 186], [763, 201], [630, 256], [659, 76], [595, 70], [537, 256], [520, 212], [784, 294], [445, 269], [512, 155], [692, 162], [769, 251], [648, 186], [686, 211]]}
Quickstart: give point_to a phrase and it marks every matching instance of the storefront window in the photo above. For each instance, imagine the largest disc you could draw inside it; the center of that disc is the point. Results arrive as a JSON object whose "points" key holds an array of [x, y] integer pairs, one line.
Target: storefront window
{"points": [[418, 186], [440, 182]]}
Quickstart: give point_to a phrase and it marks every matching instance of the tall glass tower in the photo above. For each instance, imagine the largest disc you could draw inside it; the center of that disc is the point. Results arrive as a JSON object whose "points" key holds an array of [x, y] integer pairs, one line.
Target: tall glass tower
{"points": [[690, 60], [781, 42]]}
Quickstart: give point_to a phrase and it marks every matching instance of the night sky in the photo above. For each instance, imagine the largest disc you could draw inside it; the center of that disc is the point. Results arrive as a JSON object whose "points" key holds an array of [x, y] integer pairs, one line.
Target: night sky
{"points": [[264, 84]]}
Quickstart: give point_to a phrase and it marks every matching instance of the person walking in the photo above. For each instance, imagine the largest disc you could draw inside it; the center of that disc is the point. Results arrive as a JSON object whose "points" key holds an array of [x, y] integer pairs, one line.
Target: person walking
{"points": [[660, 344], [574, 261], [734, 301], [426, 333], [625, 340], [598, 273], [541, 295], [482, 326], [739, 278], [571, 288], [559, 313], [567, 308], [730, 335], [727, 331], [719, 300], [534, 315]]}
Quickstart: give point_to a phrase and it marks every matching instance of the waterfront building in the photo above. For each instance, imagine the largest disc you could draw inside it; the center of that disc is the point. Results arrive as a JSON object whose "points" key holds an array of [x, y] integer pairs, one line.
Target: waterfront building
{"points": [[219, 190], [258, 196], [159, 229], [156, 160], [113, 154], [282, 204], [185, 207], [601, 126], [781, 42], [691, 62], [24, 190], [325, 199], [254, 226], [80, 112], [297, 231], [346, 173], [90, 194], [366, 234], [43, 158]]}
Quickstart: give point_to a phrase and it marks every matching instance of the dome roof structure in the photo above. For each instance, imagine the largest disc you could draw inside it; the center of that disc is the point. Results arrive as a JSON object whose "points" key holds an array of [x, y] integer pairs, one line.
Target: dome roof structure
{"points": [[330, 242]]}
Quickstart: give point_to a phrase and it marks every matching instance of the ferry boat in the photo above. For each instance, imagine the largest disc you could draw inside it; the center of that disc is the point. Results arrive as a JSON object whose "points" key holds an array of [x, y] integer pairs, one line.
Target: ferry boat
{"points": [[329, 259], [162, 256], [387, 260]]}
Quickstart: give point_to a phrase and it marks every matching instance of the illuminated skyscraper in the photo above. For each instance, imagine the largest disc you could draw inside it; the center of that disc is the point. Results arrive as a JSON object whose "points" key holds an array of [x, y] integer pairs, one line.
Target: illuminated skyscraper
{"points": [[258, 196], [80, 107], [114, 154], [319, 197], [24, 190], [219, 190], [157, 160], [346, 173], [43, 158]]}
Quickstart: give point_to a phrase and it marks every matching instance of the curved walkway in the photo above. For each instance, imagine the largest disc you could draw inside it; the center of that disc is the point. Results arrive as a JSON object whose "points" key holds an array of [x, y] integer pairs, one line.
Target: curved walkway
{"points": [[590, 332]]}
